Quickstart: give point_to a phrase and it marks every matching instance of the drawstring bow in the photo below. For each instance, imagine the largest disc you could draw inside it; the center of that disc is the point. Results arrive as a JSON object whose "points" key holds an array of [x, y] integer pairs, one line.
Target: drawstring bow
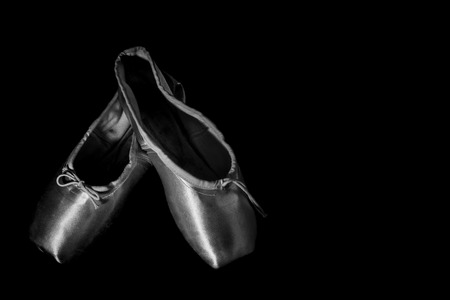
{"points": [[73, 179]]}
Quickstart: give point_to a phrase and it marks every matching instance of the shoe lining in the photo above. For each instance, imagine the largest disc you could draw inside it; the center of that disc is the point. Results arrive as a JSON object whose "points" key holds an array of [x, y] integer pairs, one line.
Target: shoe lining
{"points": [[105, 153], [186, 140]]}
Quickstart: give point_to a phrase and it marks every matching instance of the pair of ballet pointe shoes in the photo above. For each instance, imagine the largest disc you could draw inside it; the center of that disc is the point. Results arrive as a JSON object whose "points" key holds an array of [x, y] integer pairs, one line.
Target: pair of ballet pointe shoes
{"points": [[147, 124]]}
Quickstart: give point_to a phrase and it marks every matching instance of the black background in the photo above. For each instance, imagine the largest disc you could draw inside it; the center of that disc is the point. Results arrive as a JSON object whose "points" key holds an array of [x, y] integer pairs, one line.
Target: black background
{"points": [[276, 83], [60, 78]]}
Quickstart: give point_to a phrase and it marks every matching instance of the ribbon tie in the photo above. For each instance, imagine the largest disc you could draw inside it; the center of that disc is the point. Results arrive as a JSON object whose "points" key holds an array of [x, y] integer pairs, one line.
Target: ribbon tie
{"points": [[73, 179], [241, 185]]}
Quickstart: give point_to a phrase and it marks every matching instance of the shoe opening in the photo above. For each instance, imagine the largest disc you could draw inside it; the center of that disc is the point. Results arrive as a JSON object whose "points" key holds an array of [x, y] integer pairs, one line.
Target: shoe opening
{"points": [[183, 138], [105, 153]]}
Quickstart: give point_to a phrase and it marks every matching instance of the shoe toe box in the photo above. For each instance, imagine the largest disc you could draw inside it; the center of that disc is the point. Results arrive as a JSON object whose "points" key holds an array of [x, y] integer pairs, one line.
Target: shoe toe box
{"points": [[220, 228], [65, 222]]}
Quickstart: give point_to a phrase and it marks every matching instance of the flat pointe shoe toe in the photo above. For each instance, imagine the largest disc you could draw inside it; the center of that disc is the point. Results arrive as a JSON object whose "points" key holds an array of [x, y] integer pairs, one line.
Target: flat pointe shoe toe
{"points": [[204, 187], [91, 186]]}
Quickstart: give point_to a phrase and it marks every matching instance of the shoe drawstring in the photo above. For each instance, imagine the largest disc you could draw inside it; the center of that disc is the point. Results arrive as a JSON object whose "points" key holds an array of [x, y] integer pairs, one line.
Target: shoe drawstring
{"points": [[241, 185], [74, 180]]}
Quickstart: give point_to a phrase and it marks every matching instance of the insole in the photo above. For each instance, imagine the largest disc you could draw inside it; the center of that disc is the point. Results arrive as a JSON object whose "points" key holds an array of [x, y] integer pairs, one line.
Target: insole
{"points": [[114, 160], [163, 121], [101, 161]]}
